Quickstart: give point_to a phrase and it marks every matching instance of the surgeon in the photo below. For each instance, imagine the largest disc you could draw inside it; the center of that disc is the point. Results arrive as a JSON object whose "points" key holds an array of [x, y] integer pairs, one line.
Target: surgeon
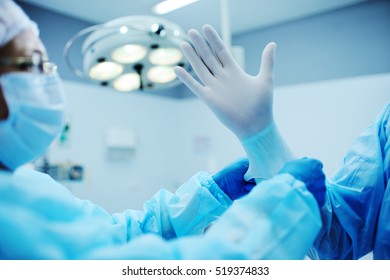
{"points": [[219, 216], [356, 209]]}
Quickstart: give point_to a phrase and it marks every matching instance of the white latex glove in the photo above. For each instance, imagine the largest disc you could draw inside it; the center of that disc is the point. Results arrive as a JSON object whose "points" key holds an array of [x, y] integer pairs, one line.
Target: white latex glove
{"points": [[243, 103]]}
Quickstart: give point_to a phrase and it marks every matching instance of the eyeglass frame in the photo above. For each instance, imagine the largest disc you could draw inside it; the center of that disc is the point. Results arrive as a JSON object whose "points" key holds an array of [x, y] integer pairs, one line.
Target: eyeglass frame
{"points": [[36, 63]]}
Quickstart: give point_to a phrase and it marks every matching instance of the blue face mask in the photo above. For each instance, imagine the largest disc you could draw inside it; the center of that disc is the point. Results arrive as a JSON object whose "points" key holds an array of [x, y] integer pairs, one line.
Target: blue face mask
{"points": [[36, 104]]}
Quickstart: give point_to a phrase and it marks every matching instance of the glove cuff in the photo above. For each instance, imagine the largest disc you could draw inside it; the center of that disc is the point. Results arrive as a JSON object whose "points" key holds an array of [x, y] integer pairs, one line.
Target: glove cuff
{"points": [[267, 153]]}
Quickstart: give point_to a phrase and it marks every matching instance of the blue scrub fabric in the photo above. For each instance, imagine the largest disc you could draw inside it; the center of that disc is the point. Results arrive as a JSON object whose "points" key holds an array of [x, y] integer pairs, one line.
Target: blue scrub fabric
{"points": [[356, 215], [40, 219]]}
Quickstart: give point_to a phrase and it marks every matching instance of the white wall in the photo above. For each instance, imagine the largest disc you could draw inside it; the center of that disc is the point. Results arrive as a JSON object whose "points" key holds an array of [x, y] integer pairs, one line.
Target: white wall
{"points": [[177, 138], [322, 119], [118, 184]]}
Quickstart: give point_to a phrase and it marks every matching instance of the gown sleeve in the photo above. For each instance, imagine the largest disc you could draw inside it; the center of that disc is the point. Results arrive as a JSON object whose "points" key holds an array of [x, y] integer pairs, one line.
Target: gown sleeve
{"points": [[278, 219], [355, 197], [188, 211]]}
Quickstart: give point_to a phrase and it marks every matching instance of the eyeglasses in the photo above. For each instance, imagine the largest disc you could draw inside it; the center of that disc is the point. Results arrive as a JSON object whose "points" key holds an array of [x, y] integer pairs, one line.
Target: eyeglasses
{"points": [[35, 63]]}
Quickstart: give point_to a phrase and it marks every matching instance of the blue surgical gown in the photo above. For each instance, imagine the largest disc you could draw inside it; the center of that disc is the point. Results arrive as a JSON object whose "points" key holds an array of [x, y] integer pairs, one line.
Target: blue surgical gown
{"points": [[40, 219], [356, 215]]}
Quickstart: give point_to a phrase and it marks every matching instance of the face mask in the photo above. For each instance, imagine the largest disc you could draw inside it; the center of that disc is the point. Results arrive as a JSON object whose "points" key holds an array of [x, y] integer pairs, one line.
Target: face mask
{"points": [[36, 106]]}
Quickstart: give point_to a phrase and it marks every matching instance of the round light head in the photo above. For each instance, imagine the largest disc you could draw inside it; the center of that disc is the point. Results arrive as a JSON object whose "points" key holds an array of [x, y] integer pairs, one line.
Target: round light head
{"points": [[113, 51], [104, 71], [161, 74], [129, 53], [127, 82], [165, 56]]}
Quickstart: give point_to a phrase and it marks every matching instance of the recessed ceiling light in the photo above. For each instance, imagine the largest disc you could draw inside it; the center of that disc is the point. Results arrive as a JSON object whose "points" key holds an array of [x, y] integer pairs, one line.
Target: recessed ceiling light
{"points": [[170, 5]]}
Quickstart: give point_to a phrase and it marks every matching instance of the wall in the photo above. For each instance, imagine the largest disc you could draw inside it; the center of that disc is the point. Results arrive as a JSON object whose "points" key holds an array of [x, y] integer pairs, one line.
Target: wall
{"points": [[118, 183], [352, 41], [322, 119]]}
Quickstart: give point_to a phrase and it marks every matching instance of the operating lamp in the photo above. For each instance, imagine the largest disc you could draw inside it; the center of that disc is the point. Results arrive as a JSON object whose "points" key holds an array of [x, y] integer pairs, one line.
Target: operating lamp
{"points": [[130, 53]]}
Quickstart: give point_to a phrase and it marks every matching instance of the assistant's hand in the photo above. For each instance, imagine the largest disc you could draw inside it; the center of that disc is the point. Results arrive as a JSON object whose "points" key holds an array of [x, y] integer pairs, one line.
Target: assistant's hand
{"points": [[231, 179], [310, 172], [243, 103]]}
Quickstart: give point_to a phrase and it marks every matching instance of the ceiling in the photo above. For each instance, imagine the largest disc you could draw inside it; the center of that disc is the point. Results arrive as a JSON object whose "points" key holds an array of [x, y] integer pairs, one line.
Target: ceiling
{"points": [[245, 15]]}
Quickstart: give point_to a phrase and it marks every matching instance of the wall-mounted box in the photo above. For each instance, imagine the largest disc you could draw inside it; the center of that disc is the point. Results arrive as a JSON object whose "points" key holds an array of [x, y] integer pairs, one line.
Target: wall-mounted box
{"points": [[120, 142]]}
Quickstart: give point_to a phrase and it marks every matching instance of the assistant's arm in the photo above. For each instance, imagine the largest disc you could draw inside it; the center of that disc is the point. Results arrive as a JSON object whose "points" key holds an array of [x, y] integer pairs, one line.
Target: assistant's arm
{"points": [[188, 211], [279, 219], [355, 196]]}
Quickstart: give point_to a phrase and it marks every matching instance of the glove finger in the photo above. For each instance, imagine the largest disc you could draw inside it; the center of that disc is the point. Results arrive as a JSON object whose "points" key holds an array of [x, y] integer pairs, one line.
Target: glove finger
{"points": [[205, 52], [219, 48], [197, 64], [315, 163], [267, 62], [241, 165], [189, 81], [318, 163], [317, 186]]}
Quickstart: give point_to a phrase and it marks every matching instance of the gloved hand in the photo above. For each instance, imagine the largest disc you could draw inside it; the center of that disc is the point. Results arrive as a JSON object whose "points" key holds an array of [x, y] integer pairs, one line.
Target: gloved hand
{"points": [[231, 179], [309, 171], [243, 103]]}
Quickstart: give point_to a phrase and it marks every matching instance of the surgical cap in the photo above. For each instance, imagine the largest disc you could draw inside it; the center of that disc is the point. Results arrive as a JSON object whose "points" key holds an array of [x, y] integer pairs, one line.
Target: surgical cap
{"points": [[13, 21]]}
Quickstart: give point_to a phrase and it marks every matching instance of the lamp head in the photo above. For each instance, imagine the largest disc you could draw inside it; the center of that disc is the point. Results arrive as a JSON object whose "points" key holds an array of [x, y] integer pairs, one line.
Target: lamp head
{"points": [[112, 53], [157, 29]]}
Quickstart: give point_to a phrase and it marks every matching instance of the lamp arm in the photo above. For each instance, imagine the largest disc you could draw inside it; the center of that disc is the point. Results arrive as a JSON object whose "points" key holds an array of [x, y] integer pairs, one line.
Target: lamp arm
{"points": [[69, 45]]}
